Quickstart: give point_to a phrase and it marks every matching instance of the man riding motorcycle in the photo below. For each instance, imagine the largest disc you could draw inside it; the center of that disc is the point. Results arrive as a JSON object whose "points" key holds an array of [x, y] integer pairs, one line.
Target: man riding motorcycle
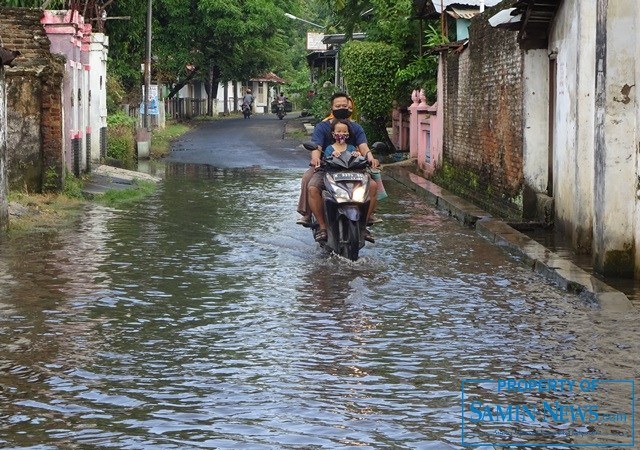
{"points": [[322, 137]]}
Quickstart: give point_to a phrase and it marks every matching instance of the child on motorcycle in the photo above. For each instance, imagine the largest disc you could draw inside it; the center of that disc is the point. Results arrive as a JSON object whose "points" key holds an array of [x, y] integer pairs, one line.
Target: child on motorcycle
{"points": [[340, 134]]}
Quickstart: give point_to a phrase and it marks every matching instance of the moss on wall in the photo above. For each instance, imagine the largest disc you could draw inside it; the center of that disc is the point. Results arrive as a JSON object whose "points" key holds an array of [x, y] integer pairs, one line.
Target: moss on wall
{"points": [[619, 262], [477, 188]]}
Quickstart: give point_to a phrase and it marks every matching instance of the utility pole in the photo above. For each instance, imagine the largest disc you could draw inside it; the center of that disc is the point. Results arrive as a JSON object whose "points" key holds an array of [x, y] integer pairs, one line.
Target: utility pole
{"points": [[143, 134], [147, 67]]}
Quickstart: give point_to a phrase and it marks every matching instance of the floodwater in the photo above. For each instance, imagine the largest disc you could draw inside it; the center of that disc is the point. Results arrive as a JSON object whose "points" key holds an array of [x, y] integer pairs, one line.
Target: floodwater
{"points": [[204, 317]]}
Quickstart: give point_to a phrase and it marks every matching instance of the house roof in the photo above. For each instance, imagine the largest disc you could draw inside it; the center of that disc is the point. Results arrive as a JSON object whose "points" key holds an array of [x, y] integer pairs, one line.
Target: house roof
{"points": [[463, 13], [317, 58], [269, 78], [537, 16], [457, 46], [440, 4], [531, 18], [342, 38]]}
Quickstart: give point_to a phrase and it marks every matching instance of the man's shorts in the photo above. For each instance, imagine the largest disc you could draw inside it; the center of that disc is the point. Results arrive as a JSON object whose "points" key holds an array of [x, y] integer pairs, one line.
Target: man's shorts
{"points": [[317, 180]]}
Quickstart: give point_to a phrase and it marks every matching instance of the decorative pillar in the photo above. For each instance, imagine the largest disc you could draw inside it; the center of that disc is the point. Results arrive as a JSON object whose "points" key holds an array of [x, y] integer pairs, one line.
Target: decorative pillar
{"points": [[423, 126], [414, 124]]}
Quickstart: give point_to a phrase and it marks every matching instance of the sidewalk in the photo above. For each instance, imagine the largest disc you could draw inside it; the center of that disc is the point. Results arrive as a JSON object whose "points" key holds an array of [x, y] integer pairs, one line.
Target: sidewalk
{"points": [[104, 178], [542, 260]]}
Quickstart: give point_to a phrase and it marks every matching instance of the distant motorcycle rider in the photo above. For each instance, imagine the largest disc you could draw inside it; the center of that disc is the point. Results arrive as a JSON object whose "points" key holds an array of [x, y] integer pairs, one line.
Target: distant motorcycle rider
{"points": [[248, 98]]}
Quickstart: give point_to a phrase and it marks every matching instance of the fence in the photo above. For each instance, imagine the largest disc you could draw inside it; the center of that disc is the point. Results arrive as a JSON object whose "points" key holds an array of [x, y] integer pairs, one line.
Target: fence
{"points": [[176, 108], [185, 108]]}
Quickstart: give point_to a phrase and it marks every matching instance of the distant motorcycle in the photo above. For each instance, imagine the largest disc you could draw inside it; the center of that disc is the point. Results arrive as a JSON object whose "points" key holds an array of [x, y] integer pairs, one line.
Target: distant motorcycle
{"points": [[246, 110], [280, 109]]}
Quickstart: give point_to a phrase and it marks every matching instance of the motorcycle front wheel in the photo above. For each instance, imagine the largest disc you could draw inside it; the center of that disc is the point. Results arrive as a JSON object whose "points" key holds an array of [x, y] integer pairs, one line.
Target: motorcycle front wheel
{"points": [[349, 239]]}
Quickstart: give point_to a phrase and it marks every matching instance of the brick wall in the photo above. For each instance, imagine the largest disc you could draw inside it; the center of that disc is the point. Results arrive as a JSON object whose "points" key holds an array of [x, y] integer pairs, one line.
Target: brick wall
{"points": [[483, 118], [34, 102]]}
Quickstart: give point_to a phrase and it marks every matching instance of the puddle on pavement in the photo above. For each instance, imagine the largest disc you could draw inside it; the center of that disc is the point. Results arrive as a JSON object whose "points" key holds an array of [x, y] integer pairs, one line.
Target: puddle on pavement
{"points": [[558, 244]]}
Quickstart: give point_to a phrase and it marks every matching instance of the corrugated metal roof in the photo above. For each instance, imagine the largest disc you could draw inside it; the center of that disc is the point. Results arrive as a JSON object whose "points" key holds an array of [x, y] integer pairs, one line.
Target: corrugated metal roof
{"points": [[459, 13], [440, 4]]}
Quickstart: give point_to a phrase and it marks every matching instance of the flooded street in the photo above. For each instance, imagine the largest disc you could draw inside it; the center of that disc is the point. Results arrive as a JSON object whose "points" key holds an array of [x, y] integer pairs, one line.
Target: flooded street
{"points": [[205, 318]]}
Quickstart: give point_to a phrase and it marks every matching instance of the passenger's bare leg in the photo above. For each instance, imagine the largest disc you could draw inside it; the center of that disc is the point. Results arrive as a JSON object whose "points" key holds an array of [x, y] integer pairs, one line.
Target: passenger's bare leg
{"points": [[316, 206], [373, 198]]}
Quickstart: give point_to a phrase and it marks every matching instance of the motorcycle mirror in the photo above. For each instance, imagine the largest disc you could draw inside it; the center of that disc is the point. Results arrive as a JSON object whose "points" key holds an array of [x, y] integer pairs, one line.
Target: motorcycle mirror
{"points": [[310, 146], [380, 146]]}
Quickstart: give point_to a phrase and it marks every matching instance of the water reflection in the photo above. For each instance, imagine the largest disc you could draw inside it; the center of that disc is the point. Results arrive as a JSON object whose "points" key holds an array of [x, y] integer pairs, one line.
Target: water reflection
{"points": [[204, 318]]}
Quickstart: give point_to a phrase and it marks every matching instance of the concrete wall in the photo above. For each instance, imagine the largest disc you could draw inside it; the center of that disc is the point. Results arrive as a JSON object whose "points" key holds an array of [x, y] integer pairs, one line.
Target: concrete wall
{"points": [[535, 129], [98, 51], [4, 211], [637, 192], [595, 152], [572, 41], [616, 137]]}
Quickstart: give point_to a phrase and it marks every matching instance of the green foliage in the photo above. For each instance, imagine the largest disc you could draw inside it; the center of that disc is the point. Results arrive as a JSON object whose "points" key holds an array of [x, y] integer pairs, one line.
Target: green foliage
{"points": [[51, 180], [116, 197], [319, 106], [121, 142], [369, 70], [72, 186], [55, 4], [115, 93], [163, 137], [434, 37], [421, 73]]}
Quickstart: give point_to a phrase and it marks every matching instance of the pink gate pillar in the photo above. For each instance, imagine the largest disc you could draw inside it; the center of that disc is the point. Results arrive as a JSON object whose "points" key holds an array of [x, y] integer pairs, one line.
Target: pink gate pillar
{"points": [[413, 124], [400, 128], [418, 111], [396, 125], [65, 29]]}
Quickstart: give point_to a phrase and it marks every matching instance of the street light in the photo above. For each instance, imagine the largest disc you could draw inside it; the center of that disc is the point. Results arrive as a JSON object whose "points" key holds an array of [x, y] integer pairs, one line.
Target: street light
{"points": [[291, 16]]}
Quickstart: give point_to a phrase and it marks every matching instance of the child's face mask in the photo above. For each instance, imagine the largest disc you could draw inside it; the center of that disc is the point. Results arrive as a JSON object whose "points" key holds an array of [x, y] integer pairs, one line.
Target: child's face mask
{"points": [[341, 138]]}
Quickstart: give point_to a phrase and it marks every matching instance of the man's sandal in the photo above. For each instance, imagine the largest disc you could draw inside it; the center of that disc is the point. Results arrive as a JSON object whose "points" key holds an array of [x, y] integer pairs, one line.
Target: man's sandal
{"points": [[368, 236], [321, 235]]}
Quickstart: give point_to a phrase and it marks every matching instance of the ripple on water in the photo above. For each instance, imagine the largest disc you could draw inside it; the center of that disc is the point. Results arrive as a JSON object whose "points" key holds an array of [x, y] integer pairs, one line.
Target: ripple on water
{"points": [[205, 318]]}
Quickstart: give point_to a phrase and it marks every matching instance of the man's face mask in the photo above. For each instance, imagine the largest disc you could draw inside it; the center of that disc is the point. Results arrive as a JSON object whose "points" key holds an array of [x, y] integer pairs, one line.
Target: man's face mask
{"points": [[341, 137], [342, 113]]}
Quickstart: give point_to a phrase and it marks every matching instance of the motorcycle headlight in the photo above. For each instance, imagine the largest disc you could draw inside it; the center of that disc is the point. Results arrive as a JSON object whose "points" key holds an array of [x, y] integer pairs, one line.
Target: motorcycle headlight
{"points": [[360, 193], [341, 195]]}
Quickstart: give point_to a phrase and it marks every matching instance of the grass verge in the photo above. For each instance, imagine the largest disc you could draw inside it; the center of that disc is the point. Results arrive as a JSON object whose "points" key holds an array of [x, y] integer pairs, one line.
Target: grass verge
{"points": [[116, 197], [35, 213], [162, 138]]}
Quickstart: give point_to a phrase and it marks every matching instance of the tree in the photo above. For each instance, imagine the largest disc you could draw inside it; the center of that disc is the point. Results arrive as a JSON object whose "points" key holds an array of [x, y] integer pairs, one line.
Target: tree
{"points": [[222, 40], [369, 70]]}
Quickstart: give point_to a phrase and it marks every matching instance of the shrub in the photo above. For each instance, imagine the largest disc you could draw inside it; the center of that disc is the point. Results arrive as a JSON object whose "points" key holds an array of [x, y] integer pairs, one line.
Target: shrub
{"points": [[72, 186], [369, 70], [121, 142]]}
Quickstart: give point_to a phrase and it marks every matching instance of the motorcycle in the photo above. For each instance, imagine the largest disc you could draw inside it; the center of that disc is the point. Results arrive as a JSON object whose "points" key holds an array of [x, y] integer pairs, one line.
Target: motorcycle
{"points": [[280, 110], [346, 203], [246, 110]]}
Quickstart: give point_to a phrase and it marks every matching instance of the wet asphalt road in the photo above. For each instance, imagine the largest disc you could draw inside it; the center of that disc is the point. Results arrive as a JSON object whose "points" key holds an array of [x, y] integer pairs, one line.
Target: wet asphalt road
{"points": [[263, 141]]}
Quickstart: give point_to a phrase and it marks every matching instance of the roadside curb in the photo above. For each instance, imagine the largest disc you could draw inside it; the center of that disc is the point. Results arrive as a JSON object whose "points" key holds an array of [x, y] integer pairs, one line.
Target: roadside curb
{"points": [[540, 259], [104, 178]]}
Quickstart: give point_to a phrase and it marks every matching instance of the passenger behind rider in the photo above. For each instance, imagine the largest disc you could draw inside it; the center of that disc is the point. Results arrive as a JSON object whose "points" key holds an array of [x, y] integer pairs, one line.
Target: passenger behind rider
{"points": [[323, 137], [248, 98]]}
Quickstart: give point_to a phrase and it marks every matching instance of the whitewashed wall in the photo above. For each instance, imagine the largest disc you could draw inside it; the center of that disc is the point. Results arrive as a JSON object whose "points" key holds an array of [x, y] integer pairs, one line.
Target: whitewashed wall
{"points": [[595, 129], [99, 49]]}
